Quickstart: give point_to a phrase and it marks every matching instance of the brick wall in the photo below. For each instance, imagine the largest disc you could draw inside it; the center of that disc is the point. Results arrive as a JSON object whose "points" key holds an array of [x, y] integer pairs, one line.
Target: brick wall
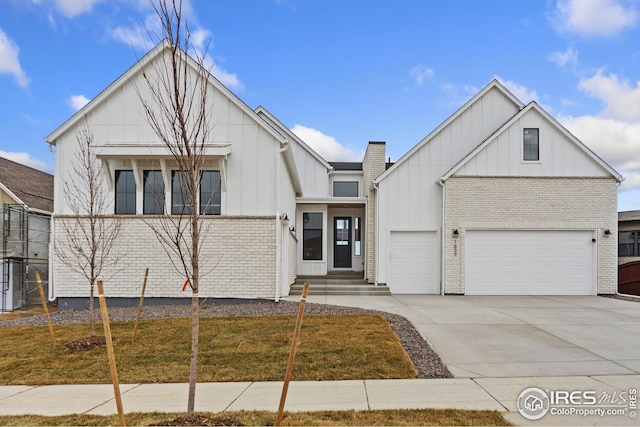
{"points": [[373, 165], [531, 203], [293, 260], [237, 261]]}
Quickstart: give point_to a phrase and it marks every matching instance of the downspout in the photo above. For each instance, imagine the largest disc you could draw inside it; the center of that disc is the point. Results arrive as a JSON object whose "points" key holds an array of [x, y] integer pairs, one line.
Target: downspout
{"points": [[51, 288], [376, 254], [442, 248], [278, 257]]}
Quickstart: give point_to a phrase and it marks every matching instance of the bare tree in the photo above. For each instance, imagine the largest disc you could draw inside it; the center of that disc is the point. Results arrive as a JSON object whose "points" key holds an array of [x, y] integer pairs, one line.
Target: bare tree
{"points": [[90, 237], [177, 108]]}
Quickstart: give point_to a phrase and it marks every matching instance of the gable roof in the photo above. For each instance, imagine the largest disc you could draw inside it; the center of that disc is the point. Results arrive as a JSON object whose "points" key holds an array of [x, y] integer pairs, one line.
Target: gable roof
{"points": [[28, 186], [494, 84], [287, 133], [534, 106], [149, 57]]}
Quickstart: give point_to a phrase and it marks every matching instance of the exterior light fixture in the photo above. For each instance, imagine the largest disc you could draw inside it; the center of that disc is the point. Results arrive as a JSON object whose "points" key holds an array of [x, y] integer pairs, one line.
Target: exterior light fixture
{"points": [[455, 233], [607, 232]]}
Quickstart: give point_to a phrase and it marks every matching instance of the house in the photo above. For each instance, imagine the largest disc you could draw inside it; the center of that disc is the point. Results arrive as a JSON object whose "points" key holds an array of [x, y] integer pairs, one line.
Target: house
{"points": [[629, 252], [498, 199], [27, 204]]}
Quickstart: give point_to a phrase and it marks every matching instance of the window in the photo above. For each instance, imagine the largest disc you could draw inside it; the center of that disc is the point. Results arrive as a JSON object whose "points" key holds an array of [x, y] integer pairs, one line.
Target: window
{"points": [[345, 189], [153, 197], [357, 239], [531, 146], [210, 193], [180, 191], [312, 236], [628, 243], [125, 193]]}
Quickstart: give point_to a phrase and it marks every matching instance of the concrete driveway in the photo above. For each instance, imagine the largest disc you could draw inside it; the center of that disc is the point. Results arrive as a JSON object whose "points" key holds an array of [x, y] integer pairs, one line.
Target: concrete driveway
{"points": [[519, 336]]}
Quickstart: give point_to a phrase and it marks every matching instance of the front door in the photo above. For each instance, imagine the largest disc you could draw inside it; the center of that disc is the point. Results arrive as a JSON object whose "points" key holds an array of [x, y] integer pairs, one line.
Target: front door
{"points": [[342, 242]]}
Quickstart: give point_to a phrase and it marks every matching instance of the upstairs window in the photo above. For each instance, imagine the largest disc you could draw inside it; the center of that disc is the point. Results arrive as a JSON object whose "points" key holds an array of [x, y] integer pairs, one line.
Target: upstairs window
{"points": [[153, 197], [210, 193], [345, 188], [125, 193], [531, 145]]}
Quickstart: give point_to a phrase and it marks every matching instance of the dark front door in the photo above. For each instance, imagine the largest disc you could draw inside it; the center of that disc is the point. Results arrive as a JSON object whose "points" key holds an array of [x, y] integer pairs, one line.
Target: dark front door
{"points": [[342, 242]]}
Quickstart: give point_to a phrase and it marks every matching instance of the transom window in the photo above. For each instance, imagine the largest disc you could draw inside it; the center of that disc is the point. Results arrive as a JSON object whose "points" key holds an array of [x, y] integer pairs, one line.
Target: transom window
{"points": [[531, 145], [312, 236], [345, 188], [153, 197], [125, 193], [629, 243]]}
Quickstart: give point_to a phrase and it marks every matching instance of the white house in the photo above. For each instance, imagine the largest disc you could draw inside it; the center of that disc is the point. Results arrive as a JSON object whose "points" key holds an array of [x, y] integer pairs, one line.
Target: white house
{"points": [[499, 199]]}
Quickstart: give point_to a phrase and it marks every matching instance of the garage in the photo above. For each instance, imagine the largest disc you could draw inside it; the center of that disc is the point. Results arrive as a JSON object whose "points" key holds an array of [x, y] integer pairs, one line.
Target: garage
{"points": [[414, 262], [541, 262]]}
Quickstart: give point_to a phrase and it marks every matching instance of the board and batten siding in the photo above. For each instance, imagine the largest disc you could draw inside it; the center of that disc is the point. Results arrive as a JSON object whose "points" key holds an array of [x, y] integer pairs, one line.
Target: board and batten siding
{"points": [[531, 203], [313, 174], [559, 156], [409, 197]]}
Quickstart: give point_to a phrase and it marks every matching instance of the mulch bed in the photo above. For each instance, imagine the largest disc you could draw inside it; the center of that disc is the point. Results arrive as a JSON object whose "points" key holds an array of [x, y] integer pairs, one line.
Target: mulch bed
{"points": [[87, 343], [199, 420]]}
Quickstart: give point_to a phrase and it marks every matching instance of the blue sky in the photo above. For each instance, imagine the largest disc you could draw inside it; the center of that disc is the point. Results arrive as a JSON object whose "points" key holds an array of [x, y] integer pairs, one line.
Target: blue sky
{"points": [[341, 73]]}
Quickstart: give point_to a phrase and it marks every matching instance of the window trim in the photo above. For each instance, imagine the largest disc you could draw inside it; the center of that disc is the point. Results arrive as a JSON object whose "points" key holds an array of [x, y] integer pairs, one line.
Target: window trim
{"points": [[145, 193], [116, 205], [525, 152], [333, 187], [321, 236]]}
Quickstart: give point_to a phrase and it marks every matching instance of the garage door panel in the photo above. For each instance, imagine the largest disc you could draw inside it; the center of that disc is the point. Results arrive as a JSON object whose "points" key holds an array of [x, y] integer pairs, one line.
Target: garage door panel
{"points": [[501, 262], [414, 262]]}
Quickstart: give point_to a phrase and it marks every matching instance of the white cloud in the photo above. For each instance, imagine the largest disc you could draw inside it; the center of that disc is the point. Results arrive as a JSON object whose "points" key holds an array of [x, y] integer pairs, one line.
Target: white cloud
{"points": [[138, 35], [594, 17], [25, 159], [521, 92], [72, 8], [420, 73], [622, 99], [562, 59], [614, 133], [77, 101], [9, 62], [327, 146], [200, 38]]}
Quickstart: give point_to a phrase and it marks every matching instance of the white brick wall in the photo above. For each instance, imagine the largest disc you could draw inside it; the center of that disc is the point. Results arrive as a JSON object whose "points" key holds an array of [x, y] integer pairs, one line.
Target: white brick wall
{"points": [[293, 251], [237, 261], [531, 203]]}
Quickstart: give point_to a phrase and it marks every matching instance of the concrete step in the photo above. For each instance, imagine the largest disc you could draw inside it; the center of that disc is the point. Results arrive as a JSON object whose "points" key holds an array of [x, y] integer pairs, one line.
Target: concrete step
{"points": [[340, 289]]}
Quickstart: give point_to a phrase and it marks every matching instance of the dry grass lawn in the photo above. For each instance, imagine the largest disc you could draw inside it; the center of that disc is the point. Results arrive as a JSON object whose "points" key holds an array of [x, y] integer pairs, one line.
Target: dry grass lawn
{"points": [[331, 347], [421, 417]]}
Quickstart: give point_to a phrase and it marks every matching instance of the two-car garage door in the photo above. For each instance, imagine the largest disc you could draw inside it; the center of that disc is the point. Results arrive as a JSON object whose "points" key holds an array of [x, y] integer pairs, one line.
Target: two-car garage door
{"points": [[549, 262]]}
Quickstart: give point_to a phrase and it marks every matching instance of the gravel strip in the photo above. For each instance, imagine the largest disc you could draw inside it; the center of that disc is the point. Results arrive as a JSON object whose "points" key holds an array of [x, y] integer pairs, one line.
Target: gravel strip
{"points": [[425, 360]]}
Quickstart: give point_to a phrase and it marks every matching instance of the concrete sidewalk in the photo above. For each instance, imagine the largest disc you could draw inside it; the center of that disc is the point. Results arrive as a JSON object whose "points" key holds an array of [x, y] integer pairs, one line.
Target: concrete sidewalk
{"points": [[498, 394]]}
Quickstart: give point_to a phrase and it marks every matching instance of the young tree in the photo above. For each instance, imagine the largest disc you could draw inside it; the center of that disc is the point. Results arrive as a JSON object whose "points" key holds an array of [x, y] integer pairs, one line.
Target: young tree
{"points": [[176, 105], [90, 237]]}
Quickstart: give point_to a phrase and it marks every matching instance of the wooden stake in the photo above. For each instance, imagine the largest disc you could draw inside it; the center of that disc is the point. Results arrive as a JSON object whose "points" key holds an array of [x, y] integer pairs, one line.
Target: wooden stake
{"points": [[144, 286], [46, 309], [292, 355], [112, 357]]}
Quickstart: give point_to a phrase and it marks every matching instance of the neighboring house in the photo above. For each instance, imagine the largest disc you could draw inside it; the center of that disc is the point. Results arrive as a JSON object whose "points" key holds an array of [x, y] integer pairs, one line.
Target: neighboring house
{"points": [[27, 204], [629, 252], [499, 199]]}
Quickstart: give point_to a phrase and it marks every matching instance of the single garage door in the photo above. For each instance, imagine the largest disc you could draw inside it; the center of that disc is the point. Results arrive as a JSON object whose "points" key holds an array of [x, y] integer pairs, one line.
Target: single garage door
{"points": [[414, 263], [501, 262]]}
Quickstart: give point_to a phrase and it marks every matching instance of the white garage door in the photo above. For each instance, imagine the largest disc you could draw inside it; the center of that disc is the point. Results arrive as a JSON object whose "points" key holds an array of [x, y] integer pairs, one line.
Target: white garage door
{"points": [[414, 263], [529, 263]]}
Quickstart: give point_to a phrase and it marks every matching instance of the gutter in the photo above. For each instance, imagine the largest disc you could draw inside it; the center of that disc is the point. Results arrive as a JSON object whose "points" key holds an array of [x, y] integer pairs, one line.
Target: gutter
{"points": [[51, 287], [376, 272]]}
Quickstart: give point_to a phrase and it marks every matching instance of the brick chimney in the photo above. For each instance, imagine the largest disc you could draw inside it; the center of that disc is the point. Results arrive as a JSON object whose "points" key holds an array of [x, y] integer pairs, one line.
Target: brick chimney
{"points": [[372, 166]]}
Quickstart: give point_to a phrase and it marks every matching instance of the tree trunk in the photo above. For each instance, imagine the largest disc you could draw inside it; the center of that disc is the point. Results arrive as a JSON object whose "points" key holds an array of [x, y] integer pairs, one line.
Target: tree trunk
{"points": [[193, 367], [91, 313]]}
